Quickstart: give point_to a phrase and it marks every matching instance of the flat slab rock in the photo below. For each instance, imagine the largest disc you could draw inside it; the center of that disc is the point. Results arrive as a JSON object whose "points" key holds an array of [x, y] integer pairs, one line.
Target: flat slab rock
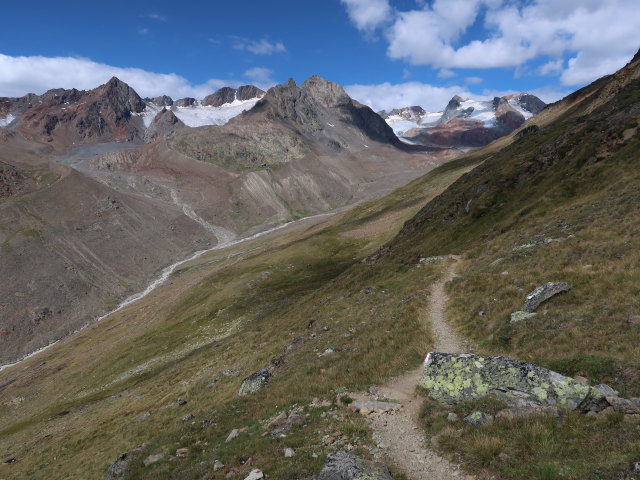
{"points": [[373, 405], [348, 466], [544, 293], [454, 378]]}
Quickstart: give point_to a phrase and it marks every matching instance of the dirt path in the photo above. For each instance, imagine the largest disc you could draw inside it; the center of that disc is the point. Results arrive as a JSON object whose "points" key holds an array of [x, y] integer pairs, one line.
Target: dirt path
{"points": [[397, 435]]}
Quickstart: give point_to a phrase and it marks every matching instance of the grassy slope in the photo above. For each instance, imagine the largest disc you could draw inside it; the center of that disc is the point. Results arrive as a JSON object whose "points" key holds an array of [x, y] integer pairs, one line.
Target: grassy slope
{"points": [[561, 204], [69, 411]]}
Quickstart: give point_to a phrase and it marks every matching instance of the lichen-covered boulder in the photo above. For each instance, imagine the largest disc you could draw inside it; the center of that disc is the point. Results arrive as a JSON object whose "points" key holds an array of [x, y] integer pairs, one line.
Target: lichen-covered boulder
{"points": [[544, 293], [454, 378], [343, 465], [255, 382]]}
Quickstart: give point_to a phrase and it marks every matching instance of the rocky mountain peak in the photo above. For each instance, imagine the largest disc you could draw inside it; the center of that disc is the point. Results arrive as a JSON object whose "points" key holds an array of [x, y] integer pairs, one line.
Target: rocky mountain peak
{"points": [[228, 95], [120, 96], [327, 93], [247, 92]]}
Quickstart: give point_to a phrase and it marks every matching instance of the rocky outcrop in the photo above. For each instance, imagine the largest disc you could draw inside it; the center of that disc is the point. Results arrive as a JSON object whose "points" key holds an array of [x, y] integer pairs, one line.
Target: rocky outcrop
{"points": [[247, 92], [255, 382], [544, 293], [343, 465], [106, 113], [220, 97], [164, 124], [228, 95], [185, 102], [161, 101], [454, 378]]}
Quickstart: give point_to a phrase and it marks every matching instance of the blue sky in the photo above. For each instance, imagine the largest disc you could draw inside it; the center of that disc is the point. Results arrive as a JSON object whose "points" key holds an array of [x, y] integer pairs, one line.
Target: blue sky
{"points": [[387, 53]]}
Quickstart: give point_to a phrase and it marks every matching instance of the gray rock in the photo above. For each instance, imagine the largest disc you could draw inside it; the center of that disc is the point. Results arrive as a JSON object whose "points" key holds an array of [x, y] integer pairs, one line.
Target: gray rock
{"points": [[185, 102], [343, 465], [188, 418], [118, 469], [635, 467], [289, 453], [179, 402], [624, 405], [452, 417], [151, 459], [255, 382], [519, 316], [478, 418], [454, 378], [544, 293], [255, 475], [217, 465], [234, 433], [606, 390]]}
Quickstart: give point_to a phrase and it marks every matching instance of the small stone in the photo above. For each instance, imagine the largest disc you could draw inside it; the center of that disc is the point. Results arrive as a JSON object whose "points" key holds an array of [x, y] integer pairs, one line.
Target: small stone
{"points": [[277, 421], [634, 320], [151, 459], [217, 465], [452, 417], [234, 433], [143, 416], [182, 452], [255, 475], [503, 457], [188, 418], [635, 467], [482, 313], [179, 402], [364, 411], [289, 452], [478, 418]]}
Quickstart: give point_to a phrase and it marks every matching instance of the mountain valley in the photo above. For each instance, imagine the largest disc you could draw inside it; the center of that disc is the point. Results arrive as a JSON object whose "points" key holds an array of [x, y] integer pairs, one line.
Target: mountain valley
{"points": [[336, 255]]}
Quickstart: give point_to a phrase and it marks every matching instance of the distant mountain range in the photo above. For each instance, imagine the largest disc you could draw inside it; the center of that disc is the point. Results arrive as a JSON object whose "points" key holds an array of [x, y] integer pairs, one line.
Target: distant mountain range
{"points": [[464, 122], [88, 175]]}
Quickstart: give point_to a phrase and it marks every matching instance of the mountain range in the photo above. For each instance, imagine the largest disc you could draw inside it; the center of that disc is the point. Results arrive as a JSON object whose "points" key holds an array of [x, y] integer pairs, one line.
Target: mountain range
{"points": [[89, 174], [464, 123]]}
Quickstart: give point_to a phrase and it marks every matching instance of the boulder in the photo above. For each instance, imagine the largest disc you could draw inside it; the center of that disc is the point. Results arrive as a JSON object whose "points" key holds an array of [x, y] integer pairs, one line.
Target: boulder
{"points": [[628, 406], [151, 459], [454, 378], [544, 293], [606, 390], [255, 382], [519, 316], [343, 465], [118, 469]]}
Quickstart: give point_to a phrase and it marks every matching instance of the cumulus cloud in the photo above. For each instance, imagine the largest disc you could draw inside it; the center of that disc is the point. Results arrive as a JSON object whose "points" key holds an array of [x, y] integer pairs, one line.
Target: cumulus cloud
{"points": [[21, 75], [367, 15], [595, 36], [387, 96], [258, 47]]}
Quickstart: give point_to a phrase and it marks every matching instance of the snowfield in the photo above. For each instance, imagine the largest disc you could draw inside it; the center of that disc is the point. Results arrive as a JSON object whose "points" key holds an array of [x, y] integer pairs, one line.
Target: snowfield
{"points": [[6, 120], [200, 115]]}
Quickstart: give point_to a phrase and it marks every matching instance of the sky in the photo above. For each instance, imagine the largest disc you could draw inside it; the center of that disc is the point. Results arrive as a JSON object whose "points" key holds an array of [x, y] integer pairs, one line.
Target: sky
{"points": [[386, 53]]}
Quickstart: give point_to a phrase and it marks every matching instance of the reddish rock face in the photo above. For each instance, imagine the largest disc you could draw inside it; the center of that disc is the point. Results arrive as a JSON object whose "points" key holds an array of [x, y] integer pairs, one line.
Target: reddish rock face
{"points": [[459, 132], [71, 116]]}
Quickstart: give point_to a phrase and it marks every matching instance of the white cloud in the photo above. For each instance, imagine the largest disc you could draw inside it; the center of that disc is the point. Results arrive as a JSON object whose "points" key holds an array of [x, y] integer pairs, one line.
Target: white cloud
{"points": [[259, 75], [599, 36], [367, 15], [387, 96], [259, 47], [22, 75], [473, 80]]}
